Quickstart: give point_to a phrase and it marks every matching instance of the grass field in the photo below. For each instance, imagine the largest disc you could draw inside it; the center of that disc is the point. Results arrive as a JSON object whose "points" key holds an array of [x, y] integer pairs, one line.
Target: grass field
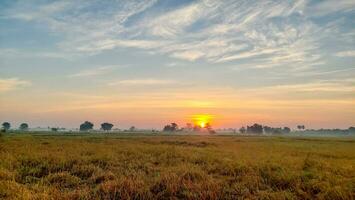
{"points": [[175, 167]]}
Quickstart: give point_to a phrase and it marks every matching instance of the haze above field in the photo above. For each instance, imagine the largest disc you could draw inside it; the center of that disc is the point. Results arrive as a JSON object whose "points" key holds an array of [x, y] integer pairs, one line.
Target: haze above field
{"points": [[149, 63]]}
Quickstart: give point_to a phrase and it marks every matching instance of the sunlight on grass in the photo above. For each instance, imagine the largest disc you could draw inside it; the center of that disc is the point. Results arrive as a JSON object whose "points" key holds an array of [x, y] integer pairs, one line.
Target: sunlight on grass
{"points": [[184, 167]]}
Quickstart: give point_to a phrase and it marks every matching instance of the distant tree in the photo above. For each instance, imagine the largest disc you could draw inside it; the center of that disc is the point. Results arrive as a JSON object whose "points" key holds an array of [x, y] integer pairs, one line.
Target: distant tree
{"points": [[286, 130], [54, 129], [167, 128], [197, 128], [106, 126], [6, 126], [209, 128], [86, 126], [351, 129], [271, 130], [268, 130], [132, 129], [277, 131], [242, 130], [255, 129], [300, 127], [23, 127], [171, 127], [174, 126], [189, 127]]}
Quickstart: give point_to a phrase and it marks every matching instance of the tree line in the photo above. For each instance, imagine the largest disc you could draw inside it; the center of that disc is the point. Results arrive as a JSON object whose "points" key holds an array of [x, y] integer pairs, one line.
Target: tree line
{"points": [[86, 126], [174, 127], [260, 129], [6, 126], [256, 128]]}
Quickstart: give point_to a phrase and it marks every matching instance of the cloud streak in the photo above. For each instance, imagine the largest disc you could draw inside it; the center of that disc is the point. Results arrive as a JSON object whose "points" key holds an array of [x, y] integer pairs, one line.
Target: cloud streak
{"points": [[346, 54], [141, 82], [10, 84], [94, 72], [270, 34], [275, 33]]}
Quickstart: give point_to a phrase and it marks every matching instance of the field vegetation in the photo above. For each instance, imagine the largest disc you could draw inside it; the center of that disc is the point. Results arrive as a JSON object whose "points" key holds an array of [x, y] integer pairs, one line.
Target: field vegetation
{"points": [[132, 166]]}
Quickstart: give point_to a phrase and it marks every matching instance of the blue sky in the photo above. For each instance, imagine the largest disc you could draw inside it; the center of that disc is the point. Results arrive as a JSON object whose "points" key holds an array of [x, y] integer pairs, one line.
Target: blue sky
{"points": [[146, 63]]}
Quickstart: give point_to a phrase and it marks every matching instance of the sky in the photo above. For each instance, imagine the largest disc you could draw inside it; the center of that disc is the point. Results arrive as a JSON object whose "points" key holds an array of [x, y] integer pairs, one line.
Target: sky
{"points": [[151, 62]]}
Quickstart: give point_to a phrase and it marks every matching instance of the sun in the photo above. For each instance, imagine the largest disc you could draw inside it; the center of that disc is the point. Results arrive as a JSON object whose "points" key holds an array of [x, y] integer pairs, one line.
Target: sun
{"points": [[201, 120], [202, 124]]}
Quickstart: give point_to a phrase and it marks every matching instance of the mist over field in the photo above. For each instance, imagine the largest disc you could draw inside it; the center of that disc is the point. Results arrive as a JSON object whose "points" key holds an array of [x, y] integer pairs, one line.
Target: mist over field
{"points": [[179, 99]]}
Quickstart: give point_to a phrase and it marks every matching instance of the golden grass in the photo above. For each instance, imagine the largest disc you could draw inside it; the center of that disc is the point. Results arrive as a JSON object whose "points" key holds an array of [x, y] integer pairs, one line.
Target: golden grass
{"points": [[175, 167]]}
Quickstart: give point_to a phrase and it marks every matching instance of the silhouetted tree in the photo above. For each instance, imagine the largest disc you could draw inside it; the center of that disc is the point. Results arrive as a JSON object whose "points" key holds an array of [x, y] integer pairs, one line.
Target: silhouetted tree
{"points": [[189, 127], [23, 127], [172, 127], [255, 129], [54, 129], [106, 126], [86, 126], [242, 130], [268, 130], [6, 126], [132, 129], [209, 128], [286, 130], [167, 128], [271, 130], [197, 128], [300, 127]]}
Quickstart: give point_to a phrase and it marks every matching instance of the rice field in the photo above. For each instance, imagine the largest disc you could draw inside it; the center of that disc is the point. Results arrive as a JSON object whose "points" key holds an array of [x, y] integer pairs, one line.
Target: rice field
{"points": [[133, 166]]}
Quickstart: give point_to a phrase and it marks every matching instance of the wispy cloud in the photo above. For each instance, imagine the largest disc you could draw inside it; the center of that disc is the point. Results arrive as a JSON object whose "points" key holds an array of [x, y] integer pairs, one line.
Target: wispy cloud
{"points": [[108, 44], [13, 84], [142, 82], [268, 33], [29, 13], [329, 6], [346, 54], [331, 86], [94, 72], [188, 55], [16, 53], [173, 23]]}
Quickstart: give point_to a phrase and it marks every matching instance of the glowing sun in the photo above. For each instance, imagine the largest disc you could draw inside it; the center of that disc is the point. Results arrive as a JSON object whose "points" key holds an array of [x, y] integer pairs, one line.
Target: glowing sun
{"points": [[202, 120], [202, 124]]}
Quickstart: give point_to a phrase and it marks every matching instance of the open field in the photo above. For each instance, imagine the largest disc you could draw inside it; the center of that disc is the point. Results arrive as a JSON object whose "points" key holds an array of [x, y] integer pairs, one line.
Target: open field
{"points": [[175, 167]]}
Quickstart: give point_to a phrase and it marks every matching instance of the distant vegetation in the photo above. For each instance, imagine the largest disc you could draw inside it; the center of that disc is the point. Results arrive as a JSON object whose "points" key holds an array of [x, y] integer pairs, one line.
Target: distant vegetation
{"points": [[255, 129], [23, 127], [6, 126], [106, 126], [86, 126], [171, 127]]}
